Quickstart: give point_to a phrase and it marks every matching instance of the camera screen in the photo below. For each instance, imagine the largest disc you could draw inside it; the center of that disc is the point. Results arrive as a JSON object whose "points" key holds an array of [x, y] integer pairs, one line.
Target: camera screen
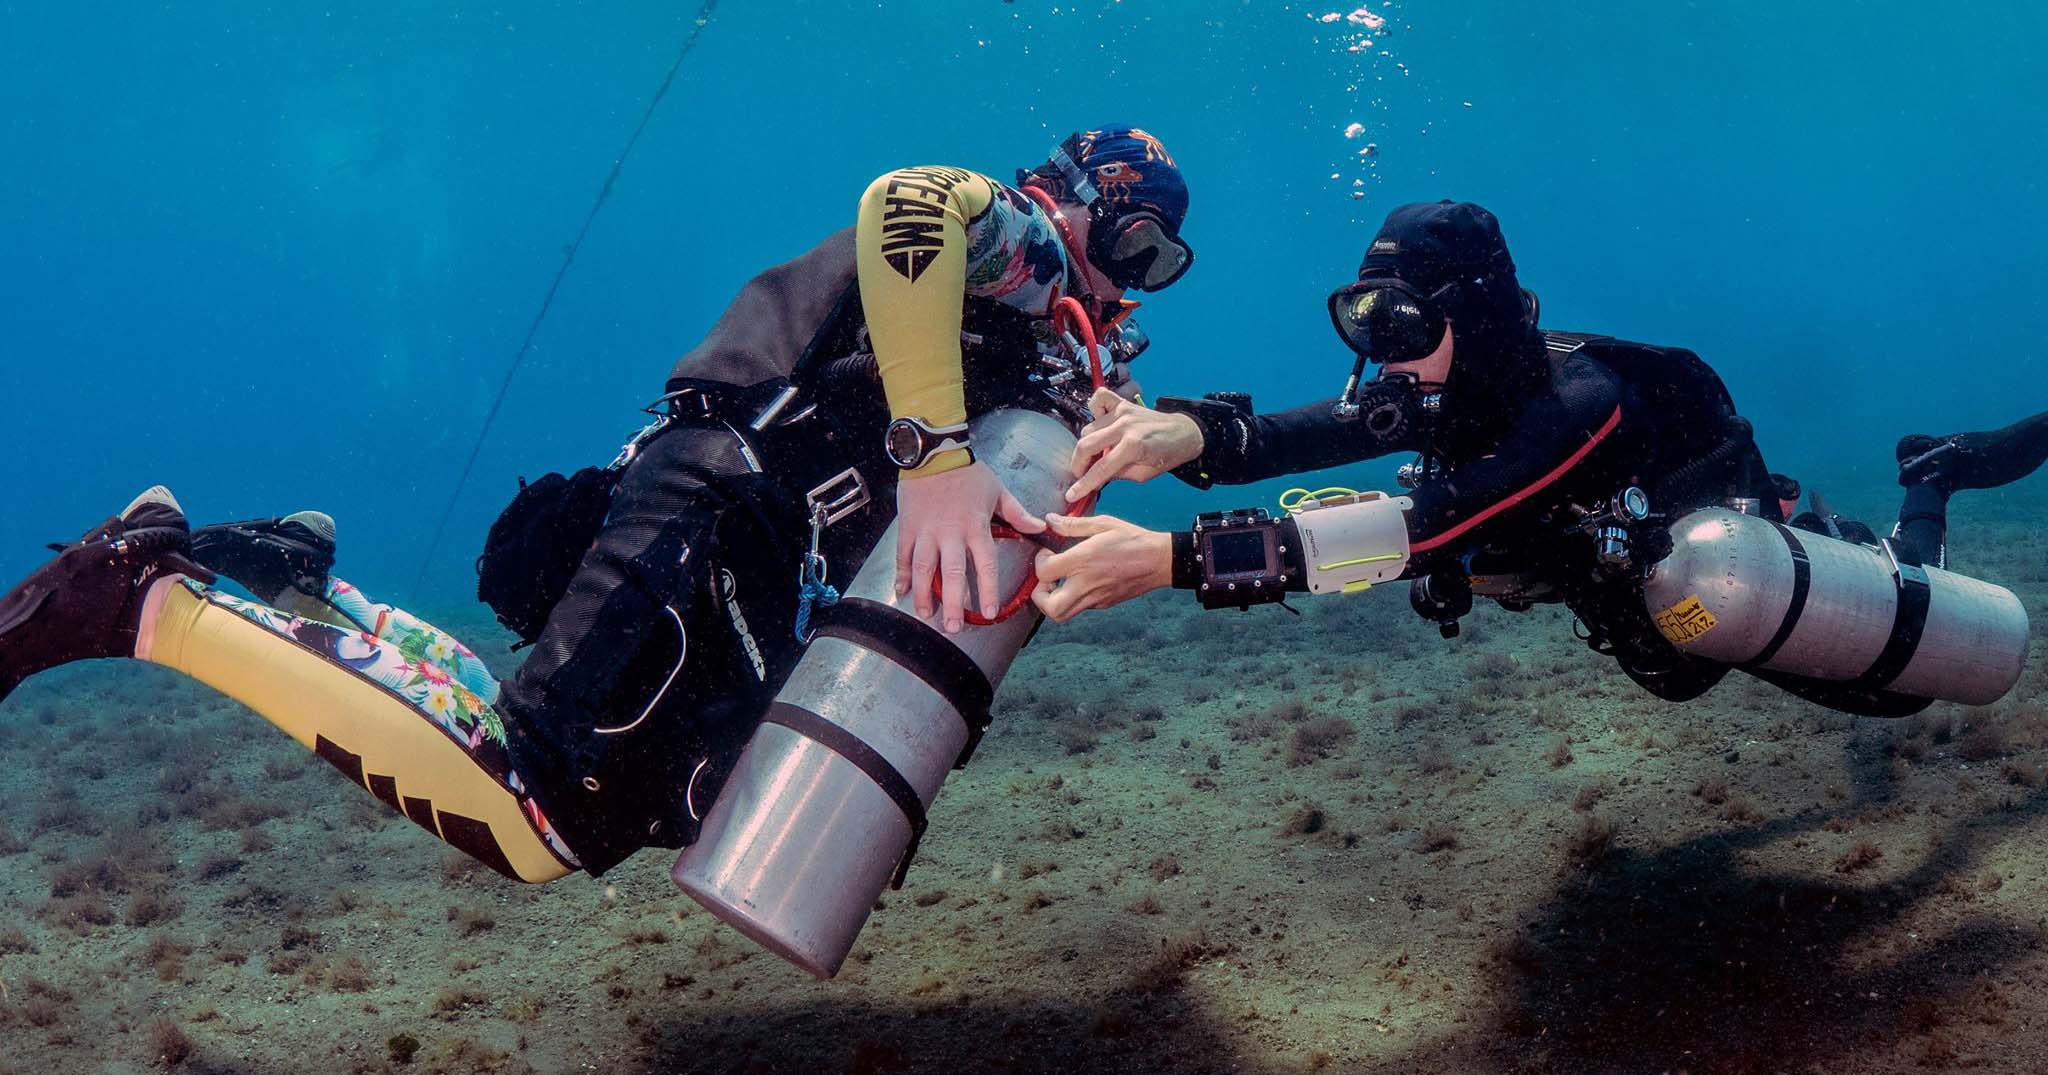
{"points": [[1240, 553]]}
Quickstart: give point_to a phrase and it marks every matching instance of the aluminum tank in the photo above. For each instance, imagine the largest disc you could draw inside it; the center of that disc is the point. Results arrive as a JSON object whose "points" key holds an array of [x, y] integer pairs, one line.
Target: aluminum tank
{"points": [[802, 840], [1732, 591]]}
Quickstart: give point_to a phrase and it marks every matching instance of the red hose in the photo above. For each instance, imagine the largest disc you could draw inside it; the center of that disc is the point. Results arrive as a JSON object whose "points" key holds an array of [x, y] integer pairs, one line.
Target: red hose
{"points": [[1075, 315]]}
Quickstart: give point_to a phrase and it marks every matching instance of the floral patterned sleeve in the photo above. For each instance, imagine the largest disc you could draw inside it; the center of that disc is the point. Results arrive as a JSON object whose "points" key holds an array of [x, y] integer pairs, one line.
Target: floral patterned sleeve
{"points": [[1014, 254]]}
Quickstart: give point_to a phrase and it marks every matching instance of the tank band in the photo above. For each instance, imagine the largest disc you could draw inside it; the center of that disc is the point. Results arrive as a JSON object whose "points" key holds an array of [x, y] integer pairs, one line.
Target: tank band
{"points": [[920, 650], [1802, 583], [1909, 621], [865, 758]]}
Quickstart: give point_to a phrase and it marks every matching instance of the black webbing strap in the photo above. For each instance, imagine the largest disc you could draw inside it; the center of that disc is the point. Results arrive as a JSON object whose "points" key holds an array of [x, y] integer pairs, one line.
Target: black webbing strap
{"points": [[1802, 584], [865, 758], [918, 649], [1909, 621]]}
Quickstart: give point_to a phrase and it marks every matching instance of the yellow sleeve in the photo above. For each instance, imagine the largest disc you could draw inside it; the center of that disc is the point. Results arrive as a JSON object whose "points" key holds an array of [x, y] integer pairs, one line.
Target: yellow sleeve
{"points": [[911, 239]]}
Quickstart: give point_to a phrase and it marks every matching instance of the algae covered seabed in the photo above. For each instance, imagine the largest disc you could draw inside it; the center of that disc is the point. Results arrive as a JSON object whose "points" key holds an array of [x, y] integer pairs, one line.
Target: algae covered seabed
{"points": [[1191, 843]]}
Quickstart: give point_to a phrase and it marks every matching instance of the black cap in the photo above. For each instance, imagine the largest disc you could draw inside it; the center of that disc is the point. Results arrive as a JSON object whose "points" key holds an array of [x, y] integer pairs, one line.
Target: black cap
{"points": [[1430, 244]]}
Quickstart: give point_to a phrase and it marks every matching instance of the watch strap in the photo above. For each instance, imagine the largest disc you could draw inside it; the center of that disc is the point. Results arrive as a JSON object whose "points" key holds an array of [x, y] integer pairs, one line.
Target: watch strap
{"points": [[942, 461]]}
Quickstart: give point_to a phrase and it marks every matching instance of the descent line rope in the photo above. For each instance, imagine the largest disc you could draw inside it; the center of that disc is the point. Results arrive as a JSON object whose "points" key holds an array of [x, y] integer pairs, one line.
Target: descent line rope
{"points": [[604, 194]]}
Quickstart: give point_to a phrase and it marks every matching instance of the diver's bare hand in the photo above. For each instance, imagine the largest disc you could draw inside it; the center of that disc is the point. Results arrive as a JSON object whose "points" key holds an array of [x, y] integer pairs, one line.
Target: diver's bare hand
{"points": [[1114, 562], [1131, 442], [943, 527]]}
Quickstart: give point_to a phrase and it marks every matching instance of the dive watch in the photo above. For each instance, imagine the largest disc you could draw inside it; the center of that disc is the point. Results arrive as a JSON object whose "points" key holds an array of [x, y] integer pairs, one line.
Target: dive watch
{"points": [[909, 441]]}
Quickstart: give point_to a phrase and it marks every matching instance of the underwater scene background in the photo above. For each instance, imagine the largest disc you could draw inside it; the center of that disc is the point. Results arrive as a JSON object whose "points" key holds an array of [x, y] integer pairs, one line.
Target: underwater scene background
{"points": [[279, 257]]}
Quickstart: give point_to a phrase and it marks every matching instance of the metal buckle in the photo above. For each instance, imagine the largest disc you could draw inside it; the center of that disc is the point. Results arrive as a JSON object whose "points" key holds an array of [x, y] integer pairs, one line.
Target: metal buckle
{"points": [[674, 402], [838, 496], [631, 450], [773, 410]]}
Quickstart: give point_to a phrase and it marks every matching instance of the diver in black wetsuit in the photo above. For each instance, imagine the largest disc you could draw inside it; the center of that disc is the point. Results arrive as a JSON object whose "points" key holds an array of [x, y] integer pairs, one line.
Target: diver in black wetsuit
{"points": [[1538, 452]]}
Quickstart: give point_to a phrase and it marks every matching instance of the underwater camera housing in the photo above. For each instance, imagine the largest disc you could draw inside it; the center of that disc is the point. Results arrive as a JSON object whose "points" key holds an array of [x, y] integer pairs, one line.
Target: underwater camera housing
{"points": [[1242, 558]]}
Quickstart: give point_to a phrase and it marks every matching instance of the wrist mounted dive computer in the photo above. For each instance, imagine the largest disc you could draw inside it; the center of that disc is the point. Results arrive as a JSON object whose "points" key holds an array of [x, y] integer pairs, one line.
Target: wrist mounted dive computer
{"points": [[1241, 557], [909, 442]]}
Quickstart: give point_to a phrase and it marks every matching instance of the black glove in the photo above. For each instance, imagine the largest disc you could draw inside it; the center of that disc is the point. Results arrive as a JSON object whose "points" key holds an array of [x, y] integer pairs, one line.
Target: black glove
{"points": [[267, 556]]}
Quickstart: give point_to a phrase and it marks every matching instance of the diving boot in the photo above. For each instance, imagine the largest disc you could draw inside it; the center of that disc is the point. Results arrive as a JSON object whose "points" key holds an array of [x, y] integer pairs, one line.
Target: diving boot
{"points": [[87, 602], [270, 556]]}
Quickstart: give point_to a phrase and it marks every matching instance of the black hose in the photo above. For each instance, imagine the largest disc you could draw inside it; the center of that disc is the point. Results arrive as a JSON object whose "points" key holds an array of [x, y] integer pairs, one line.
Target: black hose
{"points": [[853, 368], [1685, 484]]}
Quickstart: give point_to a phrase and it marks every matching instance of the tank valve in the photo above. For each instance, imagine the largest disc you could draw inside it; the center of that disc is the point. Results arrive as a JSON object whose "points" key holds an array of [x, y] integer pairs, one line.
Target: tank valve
{"points": [[1610, 546], [1610, 527]]}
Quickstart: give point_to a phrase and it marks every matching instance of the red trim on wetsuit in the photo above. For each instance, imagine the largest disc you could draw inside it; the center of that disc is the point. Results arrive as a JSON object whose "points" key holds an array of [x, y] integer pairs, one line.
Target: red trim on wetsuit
{"points": [[1525, 492]]}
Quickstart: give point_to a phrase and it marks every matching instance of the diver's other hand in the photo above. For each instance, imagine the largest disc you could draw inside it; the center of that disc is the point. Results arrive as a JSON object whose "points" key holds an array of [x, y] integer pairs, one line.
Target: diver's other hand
{"points": [[1132, 442], [1114, 562], [943, 528]]}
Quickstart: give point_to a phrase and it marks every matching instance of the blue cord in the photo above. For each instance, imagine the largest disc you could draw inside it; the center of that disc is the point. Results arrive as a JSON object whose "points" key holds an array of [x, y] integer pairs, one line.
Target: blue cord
{"points": [[814, 592]]}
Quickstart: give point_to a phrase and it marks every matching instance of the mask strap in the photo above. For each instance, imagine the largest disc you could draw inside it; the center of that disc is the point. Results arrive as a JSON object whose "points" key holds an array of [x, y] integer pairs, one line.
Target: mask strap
{"points": [[1078, 183]]}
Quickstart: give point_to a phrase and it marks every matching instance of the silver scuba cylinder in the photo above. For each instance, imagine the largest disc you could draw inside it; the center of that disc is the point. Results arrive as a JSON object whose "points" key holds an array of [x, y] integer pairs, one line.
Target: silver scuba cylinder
{"points": [[1746, 591], [827, 799]]}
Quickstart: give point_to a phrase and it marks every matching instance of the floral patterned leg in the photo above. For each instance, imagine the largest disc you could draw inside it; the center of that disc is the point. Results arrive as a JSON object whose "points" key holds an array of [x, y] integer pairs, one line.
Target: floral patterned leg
{"points": [[419, 640], [399, 725]]}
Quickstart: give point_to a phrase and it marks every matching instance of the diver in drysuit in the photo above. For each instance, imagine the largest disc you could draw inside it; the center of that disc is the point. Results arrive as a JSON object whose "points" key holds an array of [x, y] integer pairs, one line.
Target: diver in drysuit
{"points": [[1540, 457], [664, 595]]}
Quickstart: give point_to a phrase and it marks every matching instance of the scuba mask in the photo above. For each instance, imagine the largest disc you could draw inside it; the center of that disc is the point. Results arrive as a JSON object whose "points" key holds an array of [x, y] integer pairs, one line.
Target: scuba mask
{"points": [[1385, 319], [1136, 249], [1382, 320]]}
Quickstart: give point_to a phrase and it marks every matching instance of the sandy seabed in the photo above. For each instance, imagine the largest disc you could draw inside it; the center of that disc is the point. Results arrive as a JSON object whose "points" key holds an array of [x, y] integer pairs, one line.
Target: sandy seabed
{"points": [[1192, 843]]}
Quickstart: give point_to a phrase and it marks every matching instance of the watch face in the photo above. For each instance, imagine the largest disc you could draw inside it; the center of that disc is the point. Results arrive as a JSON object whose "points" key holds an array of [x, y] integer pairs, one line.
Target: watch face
{"points": [[902, 444]]}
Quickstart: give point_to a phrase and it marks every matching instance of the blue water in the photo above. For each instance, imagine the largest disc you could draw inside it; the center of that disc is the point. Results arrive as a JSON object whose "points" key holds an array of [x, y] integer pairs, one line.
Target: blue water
{"points": [[278, 256]]}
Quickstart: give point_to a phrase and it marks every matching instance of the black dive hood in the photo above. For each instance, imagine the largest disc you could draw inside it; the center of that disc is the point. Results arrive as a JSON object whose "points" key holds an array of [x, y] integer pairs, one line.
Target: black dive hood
{"points": [[1499, 362]]}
